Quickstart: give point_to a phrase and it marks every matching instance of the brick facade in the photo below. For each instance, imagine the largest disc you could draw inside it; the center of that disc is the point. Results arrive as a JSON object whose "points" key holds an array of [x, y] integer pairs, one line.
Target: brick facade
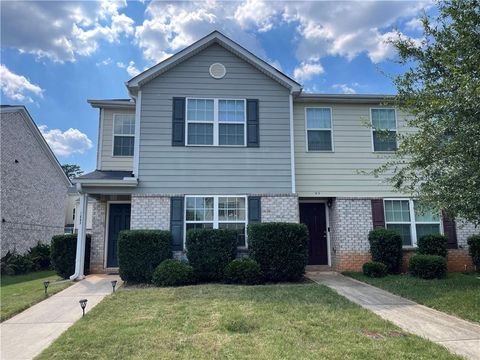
{"points": [[280, 209], [150, 212], [350, 223], [33, 192], [97, 252]]}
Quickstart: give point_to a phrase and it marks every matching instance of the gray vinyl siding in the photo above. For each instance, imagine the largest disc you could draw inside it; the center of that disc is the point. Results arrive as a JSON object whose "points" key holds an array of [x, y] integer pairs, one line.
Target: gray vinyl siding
{"points": [[107, 160], [214, 170], [335, 174]]}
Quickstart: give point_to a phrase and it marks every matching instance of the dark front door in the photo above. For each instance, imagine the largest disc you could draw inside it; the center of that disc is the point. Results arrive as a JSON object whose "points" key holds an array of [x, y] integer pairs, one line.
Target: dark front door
{"points": [[118, 220], [313, 215]]}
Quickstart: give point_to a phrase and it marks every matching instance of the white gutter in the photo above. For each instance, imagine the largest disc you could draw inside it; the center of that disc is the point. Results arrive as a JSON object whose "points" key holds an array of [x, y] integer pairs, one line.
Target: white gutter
{"points": [[81, 237], [292, 146]]}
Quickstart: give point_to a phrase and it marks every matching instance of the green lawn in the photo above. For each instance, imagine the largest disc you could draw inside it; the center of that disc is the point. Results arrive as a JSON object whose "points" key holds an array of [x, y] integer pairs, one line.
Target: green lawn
{"points": [[458, 294], [19, 292], [290, 321]]}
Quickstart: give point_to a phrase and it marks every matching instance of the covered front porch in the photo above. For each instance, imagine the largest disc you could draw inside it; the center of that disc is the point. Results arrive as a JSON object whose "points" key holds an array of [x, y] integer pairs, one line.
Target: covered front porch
{"points": [[112, 192]]}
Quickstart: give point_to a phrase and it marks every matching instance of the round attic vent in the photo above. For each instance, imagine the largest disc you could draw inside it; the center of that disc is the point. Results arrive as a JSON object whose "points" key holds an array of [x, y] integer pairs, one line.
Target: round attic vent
{"points": [[217, 70]]}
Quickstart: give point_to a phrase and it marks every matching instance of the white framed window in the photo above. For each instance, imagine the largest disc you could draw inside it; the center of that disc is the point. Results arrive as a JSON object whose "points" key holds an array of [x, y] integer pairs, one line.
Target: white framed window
{"points": [[216, 122], [410, 220], [123, 134], [217, 212], [318, 129], [384, 129]]}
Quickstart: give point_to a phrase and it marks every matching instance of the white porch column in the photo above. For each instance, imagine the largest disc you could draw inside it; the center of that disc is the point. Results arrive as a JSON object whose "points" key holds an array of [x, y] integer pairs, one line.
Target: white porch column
{"points": [[81, 238]]}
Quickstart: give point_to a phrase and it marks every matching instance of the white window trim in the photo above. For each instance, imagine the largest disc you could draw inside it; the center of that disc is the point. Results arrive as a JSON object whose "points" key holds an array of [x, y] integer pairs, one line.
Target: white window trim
{"points": [[215, 220], [413, 222], [216, 122], [321, 129], [372, 129], [113, 137]]}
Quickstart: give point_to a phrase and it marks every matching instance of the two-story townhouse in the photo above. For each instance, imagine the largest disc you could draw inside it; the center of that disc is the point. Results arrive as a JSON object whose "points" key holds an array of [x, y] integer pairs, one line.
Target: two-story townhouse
{"points": [[215, 137]]}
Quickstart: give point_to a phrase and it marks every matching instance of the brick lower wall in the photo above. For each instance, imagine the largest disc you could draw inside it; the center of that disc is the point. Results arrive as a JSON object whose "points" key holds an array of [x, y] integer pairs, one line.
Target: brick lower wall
{"points": [[97, 252], [150, 212], [280, 209]]}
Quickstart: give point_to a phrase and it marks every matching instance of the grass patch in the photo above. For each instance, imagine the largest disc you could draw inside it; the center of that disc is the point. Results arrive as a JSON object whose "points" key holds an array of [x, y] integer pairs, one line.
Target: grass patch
{"points": [[287, 321], [19, 292], [458, 294]]}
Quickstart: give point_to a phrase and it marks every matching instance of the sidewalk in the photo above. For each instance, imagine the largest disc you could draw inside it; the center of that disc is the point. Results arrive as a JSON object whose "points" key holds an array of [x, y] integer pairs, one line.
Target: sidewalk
{"points": [[25, 335], [459, 336]]}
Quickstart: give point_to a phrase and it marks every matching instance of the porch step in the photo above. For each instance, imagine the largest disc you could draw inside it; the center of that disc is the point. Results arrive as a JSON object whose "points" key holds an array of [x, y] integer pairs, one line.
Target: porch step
{"points": [[318, 268]]}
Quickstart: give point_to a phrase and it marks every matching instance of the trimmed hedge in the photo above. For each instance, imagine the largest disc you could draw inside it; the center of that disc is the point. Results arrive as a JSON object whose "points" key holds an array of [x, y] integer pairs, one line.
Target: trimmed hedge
{"points": [[40, 256], [428, 266], [141, 251], [281, 249], [433, 244], [63, 250], [474, 249], [173, 273], [243, 271], [209, 251], [386, 247], [374, 269]]}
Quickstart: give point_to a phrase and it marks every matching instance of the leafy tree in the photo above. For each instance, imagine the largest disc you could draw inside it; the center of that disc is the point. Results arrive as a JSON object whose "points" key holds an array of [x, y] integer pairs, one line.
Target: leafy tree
{"points": [[440, 162], [72, 170]]}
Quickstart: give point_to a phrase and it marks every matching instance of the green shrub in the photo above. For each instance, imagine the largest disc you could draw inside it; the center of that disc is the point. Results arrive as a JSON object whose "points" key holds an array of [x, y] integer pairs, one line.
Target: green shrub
{"points": [[433, 244], [63, 250], [281, 249], [14, 264], [141, 251], [173, 273], [374, 269], [428, 266], [40, 256], [386, 247], [243, 271], [474, 249], [209, 251]]}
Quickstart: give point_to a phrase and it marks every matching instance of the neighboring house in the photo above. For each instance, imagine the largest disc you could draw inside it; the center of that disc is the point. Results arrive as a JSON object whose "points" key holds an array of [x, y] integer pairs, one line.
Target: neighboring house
{"points": [[72, 208], [33, 184], [214, 137]]}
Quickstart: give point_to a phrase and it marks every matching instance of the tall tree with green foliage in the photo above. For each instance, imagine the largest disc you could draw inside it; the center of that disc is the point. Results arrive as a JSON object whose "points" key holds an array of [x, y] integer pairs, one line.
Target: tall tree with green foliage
{"points": [[72, 170], [439, 163]]}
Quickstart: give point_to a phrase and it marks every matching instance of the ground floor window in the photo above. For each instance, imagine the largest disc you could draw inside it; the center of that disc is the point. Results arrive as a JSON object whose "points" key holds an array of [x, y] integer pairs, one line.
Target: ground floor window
{"points": [[410, 219], [217, 212]]}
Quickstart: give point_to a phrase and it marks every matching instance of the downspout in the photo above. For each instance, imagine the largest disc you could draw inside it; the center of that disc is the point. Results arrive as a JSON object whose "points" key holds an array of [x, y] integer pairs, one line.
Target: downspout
{"points": [[81, 236], [136, 152], [292, 146]]}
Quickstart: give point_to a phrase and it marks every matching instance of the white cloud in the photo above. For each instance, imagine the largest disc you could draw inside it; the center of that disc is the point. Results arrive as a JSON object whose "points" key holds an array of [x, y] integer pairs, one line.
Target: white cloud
{"points": [[305, 71], [344, 88], [104, 62], [414, 24], [256, 13], [16, 86], [62, 31], [66, 143], [130, 68]]}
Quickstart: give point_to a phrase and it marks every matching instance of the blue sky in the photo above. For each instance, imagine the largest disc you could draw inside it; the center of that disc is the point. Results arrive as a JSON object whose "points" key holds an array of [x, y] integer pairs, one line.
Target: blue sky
{"points": [[59, 54]]}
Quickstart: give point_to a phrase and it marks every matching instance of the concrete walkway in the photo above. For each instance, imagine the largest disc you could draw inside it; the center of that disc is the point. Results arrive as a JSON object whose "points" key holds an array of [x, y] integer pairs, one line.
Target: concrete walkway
{"points": [[459, 336], [25, 335]]}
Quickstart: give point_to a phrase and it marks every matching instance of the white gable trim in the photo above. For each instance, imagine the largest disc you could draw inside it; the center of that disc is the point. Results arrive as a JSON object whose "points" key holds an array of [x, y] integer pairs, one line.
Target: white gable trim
{"points": [[218, 38]]}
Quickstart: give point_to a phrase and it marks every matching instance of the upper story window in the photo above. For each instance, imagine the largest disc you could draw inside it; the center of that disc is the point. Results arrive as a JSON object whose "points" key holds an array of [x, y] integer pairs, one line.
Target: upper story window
{"points": [[410, 220], [123, 134], [384, 129], [217, 122], [319, 129], [217, 212]]}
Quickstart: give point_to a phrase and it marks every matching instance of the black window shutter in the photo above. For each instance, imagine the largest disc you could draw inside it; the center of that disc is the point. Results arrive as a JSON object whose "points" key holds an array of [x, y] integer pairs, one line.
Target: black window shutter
{"points": [[450, 232], [176, 222], [178, 121], [254, 209], [253, 121], [378, 216]]}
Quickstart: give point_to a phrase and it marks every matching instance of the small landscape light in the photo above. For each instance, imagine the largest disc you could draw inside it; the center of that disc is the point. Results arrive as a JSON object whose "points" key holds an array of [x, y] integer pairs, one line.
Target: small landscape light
{"points": [[83, 304], [114, 283], [45, 285]]}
